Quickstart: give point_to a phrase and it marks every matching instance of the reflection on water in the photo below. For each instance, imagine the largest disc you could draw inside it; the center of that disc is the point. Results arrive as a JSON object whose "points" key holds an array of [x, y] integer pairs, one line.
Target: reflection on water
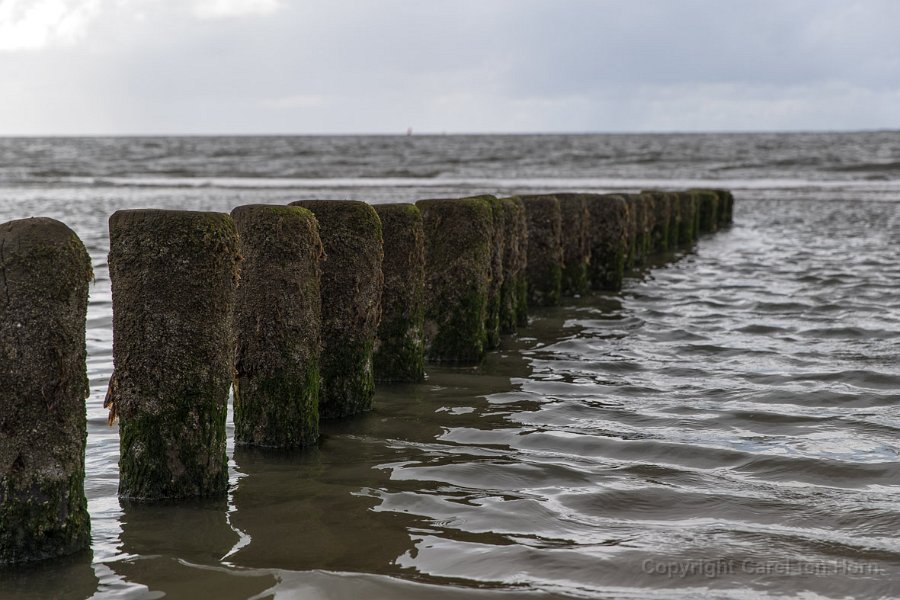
{"points": [[68, 577]]}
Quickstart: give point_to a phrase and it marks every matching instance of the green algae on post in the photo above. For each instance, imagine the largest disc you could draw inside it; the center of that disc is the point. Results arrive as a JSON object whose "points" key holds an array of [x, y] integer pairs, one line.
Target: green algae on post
{"points": [[458, 252], [352, 283], [544, 249], [277, 321], [44, 273], [173, 276], [576, 248], [498, 248], [609, 240], [400, 344]]}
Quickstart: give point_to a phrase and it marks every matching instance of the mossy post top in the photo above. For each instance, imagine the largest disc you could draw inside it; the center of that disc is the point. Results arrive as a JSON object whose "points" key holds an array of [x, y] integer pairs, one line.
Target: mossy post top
{"points": [[613, 204], [478, 203], [169, 220], [268, 222], [247, 212], [399, 210], [546, 201], [338, 212], [23, 237]]}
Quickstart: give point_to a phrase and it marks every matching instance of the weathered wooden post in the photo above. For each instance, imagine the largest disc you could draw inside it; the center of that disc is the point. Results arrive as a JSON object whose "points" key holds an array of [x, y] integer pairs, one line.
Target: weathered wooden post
{"points": [[173, 276], [498, 248], [44, 277], [726, 207], [400, 343], [521, 232], [707, 209], [545, 253], [458, 252], [633, 235], [514, 289], [352, 283], [609, 240], [687, 227], [662, 218], [675, 217], [277, 322], [575, 244], [647, 222]]}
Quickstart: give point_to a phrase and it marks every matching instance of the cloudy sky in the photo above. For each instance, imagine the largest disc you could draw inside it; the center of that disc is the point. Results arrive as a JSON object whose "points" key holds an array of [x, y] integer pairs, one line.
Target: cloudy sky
{"points": [[340, 66]]}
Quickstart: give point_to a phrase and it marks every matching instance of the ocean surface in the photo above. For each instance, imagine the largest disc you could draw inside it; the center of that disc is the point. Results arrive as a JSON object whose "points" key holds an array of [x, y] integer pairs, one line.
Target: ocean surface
{"points": [[728, 426]]}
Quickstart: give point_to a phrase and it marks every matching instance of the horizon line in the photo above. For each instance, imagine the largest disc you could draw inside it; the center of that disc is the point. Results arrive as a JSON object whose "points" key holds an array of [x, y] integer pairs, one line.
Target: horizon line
{"points": [[455, 133]]}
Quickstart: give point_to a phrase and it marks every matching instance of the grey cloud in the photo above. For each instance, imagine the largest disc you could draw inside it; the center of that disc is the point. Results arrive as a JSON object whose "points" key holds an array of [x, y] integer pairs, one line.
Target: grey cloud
{"points": [[505, 65]]}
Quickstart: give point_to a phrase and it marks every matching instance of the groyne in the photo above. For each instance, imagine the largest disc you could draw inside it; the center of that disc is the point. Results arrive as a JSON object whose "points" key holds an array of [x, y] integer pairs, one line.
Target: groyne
{"points": [[299, 309]]}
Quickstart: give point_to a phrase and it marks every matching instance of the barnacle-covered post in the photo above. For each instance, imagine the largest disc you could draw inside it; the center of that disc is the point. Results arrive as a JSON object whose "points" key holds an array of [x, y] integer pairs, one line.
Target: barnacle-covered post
{"points": [[44, 277], [575, 244], [514, 289], [173, 276], [545, 252], [352, 282], [498, 248], [277, 322], [400, 344], [458, 252], [609, 240]]}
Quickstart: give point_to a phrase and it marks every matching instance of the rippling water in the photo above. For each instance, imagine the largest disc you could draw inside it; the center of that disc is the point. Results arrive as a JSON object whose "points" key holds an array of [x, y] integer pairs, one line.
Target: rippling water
{"points": [[727, 426]]}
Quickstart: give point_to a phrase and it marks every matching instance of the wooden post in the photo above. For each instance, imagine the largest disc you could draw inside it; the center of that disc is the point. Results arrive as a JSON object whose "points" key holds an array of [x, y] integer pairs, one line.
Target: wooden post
{"points": [[458, 258], [173, 276], [352, 283], [400, 345], [277, 325], [545, 252], [44, 277]]}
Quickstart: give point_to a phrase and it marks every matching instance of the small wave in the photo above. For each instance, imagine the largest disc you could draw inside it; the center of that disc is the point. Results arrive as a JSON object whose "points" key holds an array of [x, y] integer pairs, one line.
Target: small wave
{"points": [[865, 167], [435, 180]]}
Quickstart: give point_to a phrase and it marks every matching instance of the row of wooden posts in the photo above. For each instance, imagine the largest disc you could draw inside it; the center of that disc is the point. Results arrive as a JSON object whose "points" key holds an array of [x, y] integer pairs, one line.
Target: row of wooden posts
{"points": [[299, 309]]}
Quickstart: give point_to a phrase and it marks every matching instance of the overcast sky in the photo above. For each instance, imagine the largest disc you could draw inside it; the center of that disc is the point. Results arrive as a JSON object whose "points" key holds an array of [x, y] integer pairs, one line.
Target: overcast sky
{"points": [[341, 66]]}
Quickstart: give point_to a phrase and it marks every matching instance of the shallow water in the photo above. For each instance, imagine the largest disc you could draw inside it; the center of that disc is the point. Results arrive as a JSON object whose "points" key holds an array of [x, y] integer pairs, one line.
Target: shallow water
{"points": [[727, 426]]}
